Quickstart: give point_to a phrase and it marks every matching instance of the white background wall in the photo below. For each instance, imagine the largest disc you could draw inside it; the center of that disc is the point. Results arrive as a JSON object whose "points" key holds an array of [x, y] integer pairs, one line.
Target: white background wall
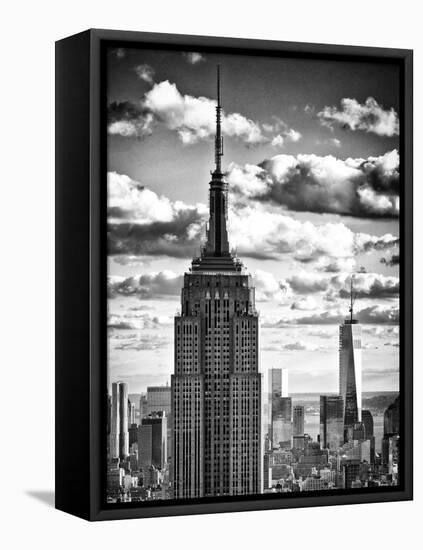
{"points": [[28, 32]]}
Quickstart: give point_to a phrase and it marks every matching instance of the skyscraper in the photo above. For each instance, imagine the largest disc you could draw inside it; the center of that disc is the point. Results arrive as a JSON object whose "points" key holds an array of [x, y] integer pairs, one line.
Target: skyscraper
{"points": [[152, 441], [278, 388], [391, 419], [367, 419], [331, 421], [131, 413], [119, 436], [216, 385], [350, 366], [282, 423], [298, 421], [158, 399], [143, 407]]}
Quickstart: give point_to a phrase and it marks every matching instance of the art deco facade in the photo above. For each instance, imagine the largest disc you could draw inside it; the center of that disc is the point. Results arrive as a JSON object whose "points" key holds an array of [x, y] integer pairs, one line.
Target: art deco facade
{"points": [[216, 385]]}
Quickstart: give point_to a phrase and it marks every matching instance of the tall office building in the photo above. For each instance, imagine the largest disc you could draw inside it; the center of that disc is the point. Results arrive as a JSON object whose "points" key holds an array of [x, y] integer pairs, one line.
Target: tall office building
{"points": [[131, 413], [216, 385], [143, 407], [282, 422], [159, 399], [391, 430], [298, 421], [367, 419], [119, 436], [152, 441], [391, 419], [350, 367], [331, 421], [278, 388]]}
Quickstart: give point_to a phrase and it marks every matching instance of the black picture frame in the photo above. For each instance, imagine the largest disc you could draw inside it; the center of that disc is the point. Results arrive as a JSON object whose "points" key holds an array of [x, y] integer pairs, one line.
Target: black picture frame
{"points": [[81, 274]]}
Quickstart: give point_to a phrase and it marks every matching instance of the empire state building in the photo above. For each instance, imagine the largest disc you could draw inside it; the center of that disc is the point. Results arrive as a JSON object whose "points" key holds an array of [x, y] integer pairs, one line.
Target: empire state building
{"points": [[216, 385]]}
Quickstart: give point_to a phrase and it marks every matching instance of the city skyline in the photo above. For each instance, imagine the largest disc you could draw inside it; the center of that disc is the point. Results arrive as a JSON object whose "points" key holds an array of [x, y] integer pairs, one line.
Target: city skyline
{"points": [[302, 275], [315, 223]]}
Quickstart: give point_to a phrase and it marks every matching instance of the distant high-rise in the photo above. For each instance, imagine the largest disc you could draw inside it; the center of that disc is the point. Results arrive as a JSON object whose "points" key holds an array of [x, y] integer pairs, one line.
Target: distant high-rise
{"points": [[298, 421], [216, 386], [350, 367], [282, 423], [152, 441], [391, 429], [119, 436], [278, 388], [331, 421], [367, 419], [159, 399], [143, 407], [131, 413], [391, 418]]}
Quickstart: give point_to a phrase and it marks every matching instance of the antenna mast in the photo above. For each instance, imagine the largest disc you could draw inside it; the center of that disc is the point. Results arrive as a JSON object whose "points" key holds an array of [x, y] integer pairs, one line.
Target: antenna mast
{"points": [[218, 148], [352, 297]]}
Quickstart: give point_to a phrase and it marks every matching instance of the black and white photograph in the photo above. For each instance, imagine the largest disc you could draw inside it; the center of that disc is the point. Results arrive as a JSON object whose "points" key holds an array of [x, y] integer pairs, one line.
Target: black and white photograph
{"points": [[253, 319]]}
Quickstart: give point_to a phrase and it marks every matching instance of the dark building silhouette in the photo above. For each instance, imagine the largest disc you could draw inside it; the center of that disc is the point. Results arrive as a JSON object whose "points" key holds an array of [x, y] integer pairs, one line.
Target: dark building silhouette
{"points": [[298, 421], [367, 419], [216, 385], [152, 441], [391, 418], [391, 429]]}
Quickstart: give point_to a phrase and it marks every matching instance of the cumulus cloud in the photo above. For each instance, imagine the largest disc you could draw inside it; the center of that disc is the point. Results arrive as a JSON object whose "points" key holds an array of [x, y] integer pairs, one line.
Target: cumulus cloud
{"points": [[259, 232], [146, 286], [300, 345], [335, 265], [307, 182], [376, 314], [307, 303], [127, 119], [392, 261], [135, 321], [143, 342], [192, 118], [194, 57], [120, 53], [145, 72], [144, 223], [366, 285], [268, 288], [369, 116]]}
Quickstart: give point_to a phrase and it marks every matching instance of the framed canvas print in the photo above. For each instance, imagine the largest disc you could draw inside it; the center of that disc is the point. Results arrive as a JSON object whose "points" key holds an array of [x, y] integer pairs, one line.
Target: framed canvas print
{"points": [[234, 275]]}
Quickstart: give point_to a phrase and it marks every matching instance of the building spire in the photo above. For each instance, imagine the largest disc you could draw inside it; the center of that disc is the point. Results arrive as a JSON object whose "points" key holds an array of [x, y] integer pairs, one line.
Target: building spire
{"points": [[218, 147], [352, 298], [215, 254]]}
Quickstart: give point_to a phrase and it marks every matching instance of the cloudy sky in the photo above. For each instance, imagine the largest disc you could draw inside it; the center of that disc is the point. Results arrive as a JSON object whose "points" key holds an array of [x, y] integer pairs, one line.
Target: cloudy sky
{"points": [[311, 151]]}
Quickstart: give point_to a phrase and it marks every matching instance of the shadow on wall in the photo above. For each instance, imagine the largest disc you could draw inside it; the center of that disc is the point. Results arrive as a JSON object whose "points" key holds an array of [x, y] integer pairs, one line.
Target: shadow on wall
{"points": [[46, 497]]}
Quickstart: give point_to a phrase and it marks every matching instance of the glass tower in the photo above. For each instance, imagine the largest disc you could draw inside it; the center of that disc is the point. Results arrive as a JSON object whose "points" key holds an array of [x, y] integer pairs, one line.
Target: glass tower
{"points": [[350, 367]]}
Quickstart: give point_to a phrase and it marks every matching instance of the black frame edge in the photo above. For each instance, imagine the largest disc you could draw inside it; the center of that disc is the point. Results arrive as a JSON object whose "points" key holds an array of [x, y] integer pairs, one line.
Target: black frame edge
{"points": [[72, 211]]}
